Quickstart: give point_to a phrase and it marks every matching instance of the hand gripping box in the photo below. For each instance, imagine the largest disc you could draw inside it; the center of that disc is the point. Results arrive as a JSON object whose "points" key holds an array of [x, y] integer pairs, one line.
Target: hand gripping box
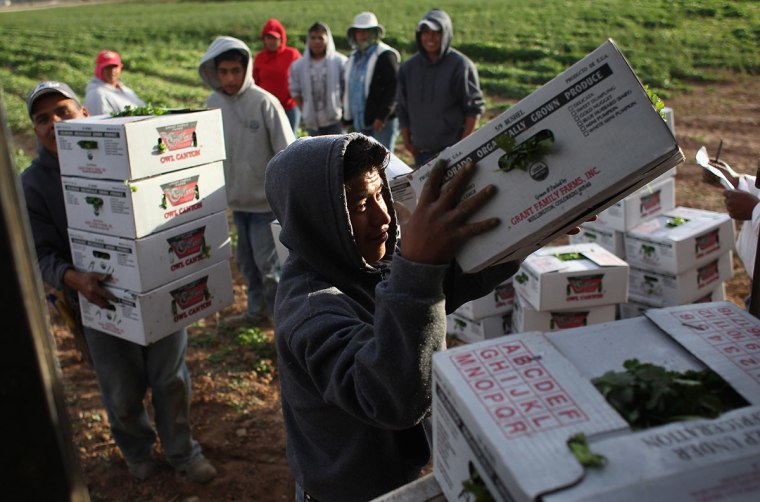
{"points": [[649, 201], [574, 147], [611, 240], [505, 409], [526, 318], [679, 239], [498, 301], [140, 265], [144, 318], [138, 208], [571, 277], [470, 330], [664, 290], [130, 148]]}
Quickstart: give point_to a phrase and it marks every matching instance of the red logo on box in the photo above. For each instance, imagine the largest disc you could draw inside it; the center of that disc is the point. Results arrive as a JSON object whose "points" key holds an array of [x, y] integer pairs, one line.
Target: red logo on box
{"points": [[178, 136], [181, 191], [504, 294], [707, 274], [650, 203], [565, 320], [584, 284], [189, 243], [705, 244], [191, 293]]}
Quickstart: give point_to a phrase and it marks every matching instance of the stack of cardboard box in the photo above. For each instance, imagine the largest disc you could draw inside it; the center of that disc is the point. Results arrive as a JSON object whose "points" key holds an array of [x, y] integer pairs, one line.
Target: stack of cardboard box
{"points": [[681, 256], [484, 318], [146, 203], [568, 286]]}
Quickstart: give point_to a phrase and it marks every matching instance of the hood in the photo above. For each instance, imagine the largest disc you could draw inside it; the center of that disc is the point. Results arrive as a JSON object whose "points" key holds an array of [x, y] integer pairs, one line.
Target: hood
{"points": [[447, 31], [275, 26], [304, 186], [207, 68], [329, 51]]}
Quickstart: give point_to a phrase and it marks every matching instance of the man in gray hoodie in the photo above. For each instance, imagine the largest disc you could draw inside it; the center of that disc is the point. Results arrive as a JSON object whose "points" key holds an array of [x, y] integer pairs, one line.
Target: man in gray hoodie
{"points": [[355, 335], [255, 129], [316, 83], [439, 97]]}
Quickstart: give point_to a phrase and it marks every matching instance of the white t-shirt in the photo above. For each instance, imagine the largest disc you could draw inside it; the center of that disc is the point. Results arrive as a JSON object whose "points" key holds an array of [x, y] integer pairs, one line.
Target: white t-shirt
{"points": [[318, 77]]}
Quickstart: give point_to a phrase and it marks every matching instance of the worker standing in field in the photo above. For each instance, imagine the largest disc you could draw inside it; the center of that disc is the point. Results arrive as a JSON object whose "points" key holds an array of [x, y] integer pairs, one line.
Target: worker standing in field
{"points": [[369, 103], [124, 369], [271, 69], [355, 330], [317, 83], [105, 93], [255, 129], [439, 97]]}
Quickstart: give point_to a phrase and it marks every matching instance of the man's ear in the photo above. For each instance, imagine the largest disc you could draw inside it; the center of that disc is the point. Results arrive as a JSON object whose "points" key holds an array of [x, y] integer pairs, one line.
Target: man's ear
{"points": [[85, 112]]}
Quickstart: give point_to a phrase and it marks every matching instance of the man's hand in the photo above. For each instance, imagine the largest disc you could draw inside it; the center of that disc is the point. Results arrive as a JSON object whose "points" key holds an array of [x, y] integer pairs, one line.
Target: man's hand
{"points": [[438, 227], [726, 170], [740, 204], [378, 125], [88, 283]]}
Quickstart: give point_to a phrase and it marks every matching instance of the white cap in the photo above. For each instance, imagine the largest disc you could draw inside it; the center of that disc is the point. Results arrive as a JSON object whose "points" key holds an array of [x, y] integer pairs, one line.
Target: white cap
{"points": [[430, 23], [365, 21]]}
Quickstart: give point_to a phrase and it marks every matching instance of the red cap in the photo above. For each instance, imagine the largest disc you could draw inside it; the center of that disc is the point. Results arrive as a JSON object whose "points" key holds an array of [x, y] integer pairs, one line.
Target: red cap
{"points": [[106, 58]]}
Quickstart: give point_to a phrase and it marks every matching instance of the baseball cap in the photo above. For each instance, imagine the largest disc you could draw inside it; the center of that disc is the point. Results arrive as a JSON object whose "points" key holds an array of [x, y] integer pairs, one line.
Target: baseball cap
{"points": [[430, 23], [106, 58], [275, 34], [365, 21], [49, 87]]}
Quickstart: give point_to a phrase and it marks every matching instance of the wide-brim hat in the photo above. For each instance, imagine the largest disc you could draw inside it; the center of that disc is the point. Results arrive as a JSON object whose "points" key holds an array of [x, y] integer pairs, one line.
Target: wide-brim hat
{"points": [[49, 87], [366, 21]]}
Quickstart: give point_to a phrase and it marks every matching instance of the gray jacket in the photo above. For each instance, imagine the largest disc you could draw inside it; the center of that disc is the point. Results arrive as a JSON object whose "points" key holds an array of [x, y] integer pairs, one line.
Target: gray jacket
{"points": [[434, 98], [354, 341], [300, 84], [255, 128]]}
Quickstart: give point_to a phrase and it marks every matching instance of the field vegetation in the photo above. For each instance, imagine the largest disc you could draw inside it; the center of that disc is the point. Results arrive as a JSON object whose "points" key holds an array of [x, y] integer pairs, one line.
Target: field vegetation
{"points": [[517, 46]]}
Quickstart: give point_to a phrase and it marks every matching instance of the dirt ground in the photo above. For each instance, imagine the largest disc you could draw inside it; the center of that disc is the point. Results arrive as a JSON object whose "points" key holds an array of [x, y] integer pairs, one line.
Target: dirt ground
{"points": [[235, 411]]}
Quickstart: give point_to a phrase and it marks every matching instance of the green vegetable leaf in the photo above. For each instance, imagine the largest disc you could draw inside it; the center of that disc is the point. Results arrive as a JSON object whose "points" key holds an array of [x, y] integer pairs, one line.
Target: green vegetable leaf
{"points": [[130, 111], [522, 156], [578, 444]]}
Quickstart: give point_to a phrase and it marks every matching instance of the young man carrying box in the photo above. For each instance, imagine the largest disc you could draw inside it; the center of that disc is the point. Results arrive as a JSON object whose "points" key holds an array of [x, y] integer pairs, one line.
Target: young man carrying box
{"points": [[124, 369]]}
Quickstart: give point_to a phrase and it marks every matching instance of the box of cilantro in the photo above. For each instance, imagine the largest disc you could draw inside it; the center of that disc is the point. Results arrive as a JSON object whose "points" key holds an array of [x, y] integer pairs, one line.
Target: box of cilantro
{"points": [[577, 145], [136, 145], [664, 407]]}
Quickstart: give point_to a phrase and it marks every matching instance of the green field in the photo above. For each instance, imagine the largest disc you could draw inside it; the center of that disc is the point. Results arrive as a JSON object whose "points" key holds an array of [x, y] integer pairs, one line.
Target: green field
{"points": [[516, 45]]}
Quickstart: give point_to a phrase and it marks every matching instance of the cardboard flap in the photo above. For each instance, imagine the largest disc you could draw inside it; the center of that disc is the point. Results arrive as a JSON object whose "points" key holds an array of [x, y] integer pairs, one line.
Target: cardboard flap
{"points": [[724, 337]]}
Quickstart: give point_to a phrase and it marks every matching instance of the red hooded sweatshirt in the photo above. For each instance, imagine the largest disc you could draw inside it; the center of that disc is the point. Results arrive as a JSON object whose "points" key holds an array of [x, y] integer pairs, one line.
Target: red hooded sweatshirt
{"points": [[271, 70]]}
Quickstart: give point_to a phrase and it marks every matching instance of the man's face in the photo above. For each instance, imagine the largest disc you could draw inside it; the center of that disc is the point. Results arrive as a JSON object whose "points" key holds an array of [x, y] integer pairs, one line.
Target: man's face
{"points": [[50, 109], [272, 43], [431, 41], [231, 75], [369, 215], [317, 43], [361, 35], [112, 74]]}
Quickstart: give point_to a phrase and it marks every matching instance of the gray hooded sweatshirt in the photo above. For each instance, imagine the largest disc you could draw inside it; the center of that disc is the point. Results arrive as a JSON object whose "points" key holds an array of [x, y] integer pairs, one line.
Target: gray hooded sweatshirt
{"points": [[255, 129], [354, 340], [434, 98], [300, 84]]}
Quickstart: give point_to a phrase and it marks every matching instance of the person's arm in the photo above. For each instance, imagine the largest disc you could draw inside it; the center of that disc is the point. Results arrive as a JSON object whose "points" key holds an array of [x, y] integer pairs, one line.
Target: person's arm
{"points": [[469, 125], [383, 88], [294, 84], [406, 136], [278, 127], [473, 104]]}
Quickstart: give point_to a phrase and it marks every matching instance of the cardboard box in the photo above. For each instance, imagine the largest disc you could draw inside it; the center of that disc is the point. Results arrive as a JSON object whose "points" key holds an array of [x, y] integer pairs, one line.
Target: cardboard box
{"points": [[635, 309], [127, 148], [590, 276], [147, 317], [663, 290], [649, 201], [145, 206], [143, 264], [659, 245], [608, 142], [505, 408], [279, 247], [611, 240], [526, 318], [404, 197], [470, 330], [498, 301]]}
